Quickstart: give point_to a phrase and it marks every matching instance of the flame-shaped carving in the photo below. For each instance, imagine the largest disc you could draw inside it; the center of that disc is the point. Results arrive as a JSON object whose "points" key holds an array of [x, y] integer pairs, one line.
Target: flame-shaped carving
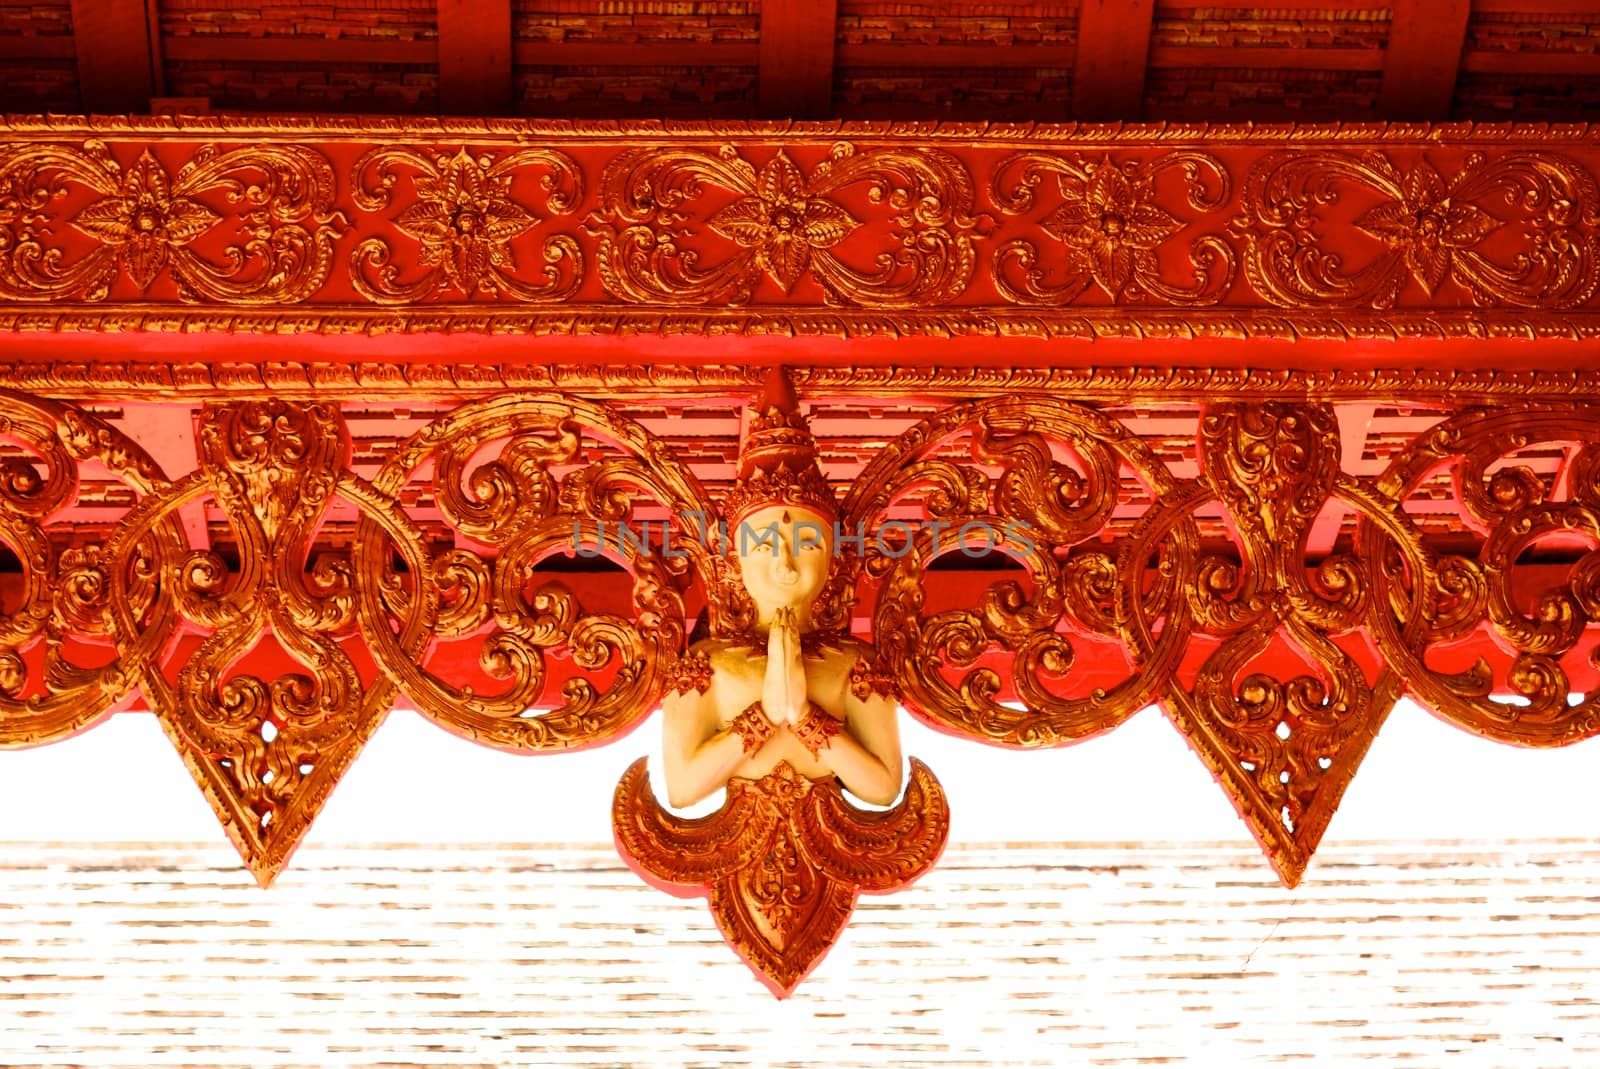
{"points": [[784, 859]]}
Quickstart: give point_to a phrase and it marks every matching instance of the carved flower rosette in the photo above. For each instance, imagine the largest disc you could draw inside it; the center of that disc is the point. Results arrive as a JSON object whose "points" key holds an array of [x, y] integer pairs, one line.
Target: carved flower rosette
{"points": [[662, 239], [253, 225], [464, 217], [1516, 229], [1109, 228]]}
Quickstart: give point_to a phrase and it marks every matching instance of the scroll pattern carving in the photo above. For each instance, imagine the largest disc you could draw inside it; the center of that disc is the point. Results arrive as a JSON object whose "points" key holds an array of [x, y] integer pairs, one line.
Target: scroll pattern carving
{"points": [[785, 225], [1111, 227], [463, 221], [1283, 745], [146, 222], [1433, 229], [1138, 576], [874, 230]]}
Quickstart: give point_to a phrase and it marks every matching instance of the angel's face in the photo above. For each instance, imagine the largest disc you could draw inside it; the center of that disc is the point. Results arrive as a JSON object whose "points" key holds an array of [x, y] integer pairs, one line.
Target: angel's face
{"points": [[784, 555]]}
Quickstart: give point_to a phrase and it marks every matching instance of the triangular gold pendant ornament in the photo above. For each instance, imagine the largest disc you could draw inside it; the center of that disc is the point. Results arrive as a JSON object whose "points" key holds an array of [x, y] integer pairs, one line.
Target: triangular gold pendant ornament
{"points": [[1284, 749], [265, 751], [267, 794], [1285, 777]]}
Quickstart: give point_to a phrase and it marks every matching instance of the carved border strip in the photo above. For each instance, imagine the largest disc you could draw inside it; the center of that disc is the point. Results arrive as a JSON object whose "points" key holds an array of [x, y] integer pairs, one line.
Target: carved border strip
{"points": [[863, 230], [520, 475], [74, 380]]}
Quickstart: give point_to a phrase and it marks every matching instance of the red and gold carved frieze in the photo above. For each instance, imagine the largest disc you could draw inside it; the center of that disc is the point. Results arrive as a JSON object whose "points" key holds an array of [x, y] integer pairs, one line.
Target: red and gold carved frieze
{"points": [[1273, 567], [330, 226]]}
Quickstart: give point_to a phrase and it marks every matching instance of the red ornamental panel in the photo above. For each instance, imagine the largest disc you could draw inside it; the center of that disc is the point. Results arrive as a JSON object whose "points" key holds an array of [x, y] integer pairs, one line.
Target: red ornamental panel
{"points": [[308, 225]]}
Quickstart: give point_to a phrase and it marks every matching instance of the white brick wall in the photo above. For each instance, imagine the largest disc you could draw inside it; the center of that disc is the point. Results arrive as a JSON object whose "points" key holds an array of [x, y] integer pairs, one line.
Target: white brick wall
{"points": [[1427, 954]]}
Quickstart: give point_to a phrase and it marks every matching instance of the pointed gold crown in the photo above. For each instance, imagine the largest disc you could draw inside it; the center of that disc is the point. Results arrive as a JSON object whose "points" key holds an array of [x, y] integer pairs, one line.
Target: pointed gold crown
{"points": [[778, 458]]}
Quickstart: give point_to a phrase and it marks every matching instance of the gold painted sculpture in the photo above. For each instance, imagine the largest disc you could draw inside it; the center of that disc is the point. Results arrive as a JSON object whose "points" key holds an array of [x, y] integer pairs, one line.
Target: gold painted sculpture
{"points": [[786, 718]]}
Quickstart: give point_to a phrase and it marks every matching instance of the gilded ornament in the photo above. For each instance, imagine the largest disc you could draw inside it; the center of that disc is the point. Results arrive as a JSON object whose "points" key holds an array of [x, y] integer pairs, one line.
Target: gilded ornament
{"points": [[143, 220], [1111, 228], [783, 729], [783, 222], [1432, 230], [785, 225], [146, 223], [464, 219], [1135, 577]]}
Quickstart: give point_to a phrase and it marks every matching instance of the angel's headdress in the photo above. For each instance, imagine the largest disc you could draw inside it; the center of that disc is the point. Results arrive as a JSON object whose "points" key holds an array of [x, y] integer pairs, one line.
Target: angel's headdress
{"points": [[778, 458]]}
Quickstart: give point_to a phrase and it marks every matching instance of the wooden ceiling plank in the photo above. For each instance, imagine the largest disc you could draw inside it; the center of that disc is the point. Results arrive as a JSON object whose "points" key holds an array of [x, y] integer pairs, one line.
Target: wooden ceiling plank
{"points": [[632, 54], [1423, 59], [1190, 57], [116, 71], [300, 50], [475, 57], [1113, 48], [796, 58]]}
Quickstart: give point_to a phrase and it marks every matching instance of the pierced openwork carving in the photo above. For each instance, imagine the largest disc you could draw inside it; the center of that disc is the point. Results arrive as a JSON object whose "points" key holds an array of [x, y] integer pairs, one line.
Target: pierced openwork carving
{"points": [[1235, 548]]}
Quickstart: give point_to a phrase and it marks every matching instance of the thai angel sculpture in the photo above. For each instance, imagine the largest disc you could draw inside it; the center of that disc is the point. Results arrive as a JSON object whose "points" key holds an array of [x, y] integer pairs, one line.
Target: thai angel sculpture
{"points": [[786, 717]]}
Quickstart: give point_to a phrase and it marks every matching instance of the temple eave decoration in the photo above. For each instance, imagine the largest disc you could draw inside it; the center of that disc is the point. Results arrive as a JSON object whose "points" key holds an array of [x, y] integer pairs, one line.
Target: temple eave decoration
{"points": [[537, 543]]}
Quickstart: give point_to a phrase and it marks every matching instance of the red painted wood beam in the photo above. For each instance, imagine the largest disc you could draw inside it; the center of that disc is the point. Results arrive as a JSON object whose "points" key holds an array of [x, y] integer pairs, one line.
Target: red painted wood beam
{"points": [[1422, 59], [116, 55], [796, 58], [1113, 47], [475, 57]]}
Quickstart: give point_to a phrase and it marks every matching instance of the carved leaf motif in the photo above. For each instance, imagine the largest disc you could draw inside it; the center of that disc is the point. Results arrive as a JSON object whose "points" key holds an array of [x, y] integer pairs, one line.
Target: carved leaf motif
{"points": [[1111, 228], [1431, 229], [464, 220], [784, 224]]}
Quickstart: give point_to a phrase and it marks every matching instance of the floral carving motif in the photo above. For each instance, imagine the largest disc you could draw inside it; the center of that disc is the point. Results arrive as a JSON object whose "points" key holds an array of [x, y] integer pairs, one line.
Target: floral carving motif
{"points": [[1426, 223], [1276, 661], [875, 231], [1111, 226], [465, 218], [1432, 229], [465, 221], [144, 221], [1108, 219], [783, 221], [786, 225]]}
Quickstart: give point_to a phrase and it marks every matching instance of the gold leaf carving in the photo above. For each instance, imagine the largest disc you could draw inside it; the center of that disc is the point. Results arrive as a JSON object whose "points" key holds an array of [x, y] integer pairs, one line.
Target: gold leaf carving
{"points": [[145, 223], [784, 859], [463, 221], [1110, 227], [1431, 229], [785, 225]]}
